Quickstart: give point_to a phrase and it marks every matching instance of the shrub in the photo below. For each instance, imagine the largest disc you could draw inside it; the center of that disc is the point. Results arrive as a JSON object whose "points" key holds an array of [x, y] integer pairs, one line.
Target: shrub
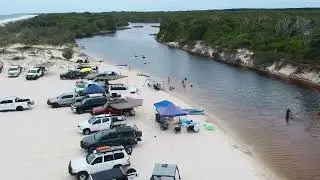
{"points": [[67, 53]]}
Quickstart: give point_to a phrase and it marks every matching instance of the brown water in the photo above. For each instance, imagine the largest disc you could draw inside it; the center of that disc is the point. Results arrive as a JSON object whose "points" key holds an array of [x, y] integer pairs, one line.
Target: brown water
{"points": [[250, 106]]}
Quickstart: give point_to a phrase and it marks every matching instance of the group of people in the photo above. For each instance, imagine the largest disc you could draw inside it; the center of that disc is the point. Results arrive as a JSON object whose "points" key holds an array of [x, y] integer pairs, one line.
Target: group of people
{"points": [[184, 83]]}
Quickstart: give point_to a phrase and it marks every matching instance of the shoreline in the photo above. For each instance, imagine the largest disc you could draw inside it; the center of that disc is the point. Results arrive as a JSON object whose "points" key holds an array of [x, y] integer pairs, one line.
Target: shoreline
{"points": [[291, 78], [217, 150], [236, 143]]}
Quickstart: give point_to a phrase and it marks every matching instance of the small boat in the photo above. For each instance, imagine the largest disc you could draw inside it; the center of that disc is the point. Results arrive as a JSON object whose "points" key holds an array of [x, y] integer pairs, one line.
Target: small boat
{"points": [[126, 101], [193, 111]]}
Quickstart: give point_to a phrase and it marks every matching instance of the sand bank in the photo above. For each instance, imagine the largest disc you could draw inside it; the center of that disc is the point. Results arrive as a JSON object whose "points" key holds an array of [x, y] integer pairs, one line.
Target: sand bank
{"points": [[39, 143]]}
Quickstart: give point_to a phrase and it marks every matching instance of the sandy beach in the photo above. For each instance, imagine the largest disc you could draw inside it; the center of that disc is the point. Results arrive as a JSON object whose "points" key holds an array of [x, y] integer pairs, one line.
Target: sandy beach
{"points": [[38, 143]]}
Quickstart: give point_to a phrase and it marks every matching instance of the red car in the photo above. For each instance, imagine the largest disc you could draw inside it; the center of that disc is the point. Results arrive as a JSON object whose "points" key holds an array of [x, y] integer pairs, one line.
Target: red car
{"points": [[113, 111]]}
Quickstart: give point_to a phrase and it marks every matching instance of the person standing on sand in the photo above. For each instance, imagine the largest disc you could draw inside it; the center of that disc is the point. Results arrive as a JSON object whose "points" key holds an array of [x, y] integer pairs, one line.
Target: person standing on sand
{"points": [[288, 112], [169, 80]]}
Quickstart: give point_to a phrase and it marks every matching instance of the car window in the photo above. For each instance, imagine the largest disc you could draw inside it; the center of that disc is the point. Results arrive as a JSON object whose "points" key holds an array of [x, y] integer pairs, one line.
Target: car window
{"points": [[119, 155], [110, 136], [108, 158], [116, 119], [67, 96], [6, 102], [123, 134], [97, 122], [104, 120], [88, 101], [97, 161]]}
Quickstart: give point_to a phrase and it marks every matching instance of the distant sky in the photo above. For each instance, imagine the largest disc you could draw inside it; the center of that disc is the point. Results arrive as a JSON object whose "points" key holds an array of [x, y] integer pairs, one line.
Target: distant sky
{"points": [[40, 6]]}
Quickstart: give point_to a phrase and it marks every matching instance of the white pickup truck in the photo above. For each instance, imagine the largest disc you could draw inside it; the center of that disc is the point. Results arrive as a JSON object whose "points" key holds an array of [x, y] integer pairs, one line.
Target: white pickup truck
{"points": [[34, 74], [15, 103], [100, 122]]}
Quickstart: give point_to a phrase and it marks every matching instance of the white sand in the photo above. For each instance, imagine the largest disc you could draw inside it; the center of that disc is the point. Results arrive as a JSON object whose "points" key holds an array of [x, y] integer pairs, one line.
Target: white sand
{"points": [[39, 143]]}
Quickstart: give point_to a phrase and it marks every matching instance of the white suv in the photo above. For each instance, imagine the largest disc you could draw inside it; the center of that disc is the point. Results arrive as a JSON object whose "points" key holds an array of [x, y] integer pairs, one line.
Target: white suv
{"points": [[101, 159], [100, 122]]}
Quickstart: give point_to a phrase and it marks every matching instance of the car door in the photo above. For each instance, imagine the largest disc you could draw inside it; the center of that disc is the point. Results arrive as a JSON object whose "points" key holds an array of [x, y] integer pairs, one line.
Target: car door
{"points": [[106, 122], [96, 125], [69, 99], [109, 139], [97, 165], [8, 105], [108, 161], [65, 99], [88, 104], [118, 158]]}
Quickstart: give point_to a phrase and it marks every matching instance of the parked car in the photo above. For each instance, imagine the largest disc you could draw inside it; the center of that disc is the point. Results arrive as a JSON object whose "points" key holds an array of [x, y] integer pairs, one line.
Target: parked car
{"points": [[100, 122], [106, 109], [14, 71], [15, 103], [81, 85], [64, 99], [121, 173], [88, 103], [165, 171], [101, 159], [73, 74], [1, 66], [34, 74], [128, 135]]}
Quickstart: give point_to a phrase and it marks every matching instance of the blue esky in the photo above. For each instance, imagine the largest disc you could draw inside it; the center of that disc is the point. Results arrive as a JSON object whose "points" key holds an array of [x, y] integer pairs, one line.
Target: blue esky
{"points": [[38, 6]]}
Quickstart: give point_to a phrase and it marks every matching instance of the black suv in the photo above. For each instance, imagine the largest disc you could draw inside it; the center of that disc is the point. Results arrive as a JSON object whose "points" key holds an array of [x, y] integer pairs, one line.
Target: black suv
{"points": [[123, 135], [88, 103], [73, 74]]}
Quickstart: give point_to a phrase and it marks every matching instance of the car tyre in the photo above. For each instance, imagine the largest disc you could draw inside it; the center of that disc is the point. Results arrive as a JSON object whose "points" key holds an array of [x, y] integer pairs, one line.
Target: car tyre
{"points": [[79, 111], [86, 131], [129, 149], [55, 105], [19, 108], [132, 112], [82, 176]]}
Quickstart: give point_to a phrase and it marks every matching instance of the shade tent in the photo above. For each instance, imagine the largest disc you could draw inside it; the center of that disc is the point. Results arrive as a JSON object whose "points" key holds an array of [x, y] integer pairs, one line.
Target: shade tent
{"points": [[171, 111], [161, 104], [168, 109], [93, 89]]}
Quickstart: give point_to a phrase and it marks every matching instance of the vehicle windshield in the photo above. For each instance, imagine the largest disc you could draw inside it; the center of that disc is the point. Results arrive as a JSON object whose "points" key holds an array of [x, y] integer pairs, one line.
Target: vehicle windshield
{"points": [[13, 69], [80, 85], [91, 120], [90, 158], [32, 71], [162, 178]]}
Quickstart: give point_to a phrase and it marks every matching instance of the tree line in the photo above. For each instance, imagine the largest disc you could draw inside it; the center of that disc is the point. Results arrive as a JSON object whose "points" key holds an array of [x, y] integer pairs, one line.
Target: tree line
{"points": [[292, 34]]}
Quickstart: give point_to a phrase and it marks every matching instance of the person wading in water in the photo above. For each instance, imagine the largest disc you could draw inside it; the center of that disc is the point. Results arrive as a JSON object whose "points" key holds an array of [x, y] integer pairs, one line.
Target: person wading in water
{"points": [[288, 113]]}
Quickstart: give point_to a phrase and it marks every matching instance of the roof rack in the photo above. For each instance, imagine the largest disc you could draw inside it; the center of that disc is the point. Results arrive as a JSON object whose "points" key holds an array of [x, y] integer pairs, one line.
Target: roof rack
{"points": [[104, 149]]}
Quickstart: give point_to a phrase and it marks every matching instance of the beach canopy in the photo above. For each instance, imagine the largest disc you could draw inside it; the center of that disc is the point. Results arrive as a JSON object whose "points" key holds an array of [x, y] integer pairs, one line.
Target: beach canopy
{"points": [[168, 109], [93, 89], [171, 111], [161, 104]]}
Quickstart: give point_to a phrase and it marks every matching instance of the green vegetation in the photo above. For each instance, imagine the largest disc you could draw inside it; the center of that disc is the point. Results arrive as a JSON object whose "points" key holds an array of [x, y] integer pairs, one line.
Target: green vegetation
{"points": [[58, 29], [291, 34], [67, 53]]}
